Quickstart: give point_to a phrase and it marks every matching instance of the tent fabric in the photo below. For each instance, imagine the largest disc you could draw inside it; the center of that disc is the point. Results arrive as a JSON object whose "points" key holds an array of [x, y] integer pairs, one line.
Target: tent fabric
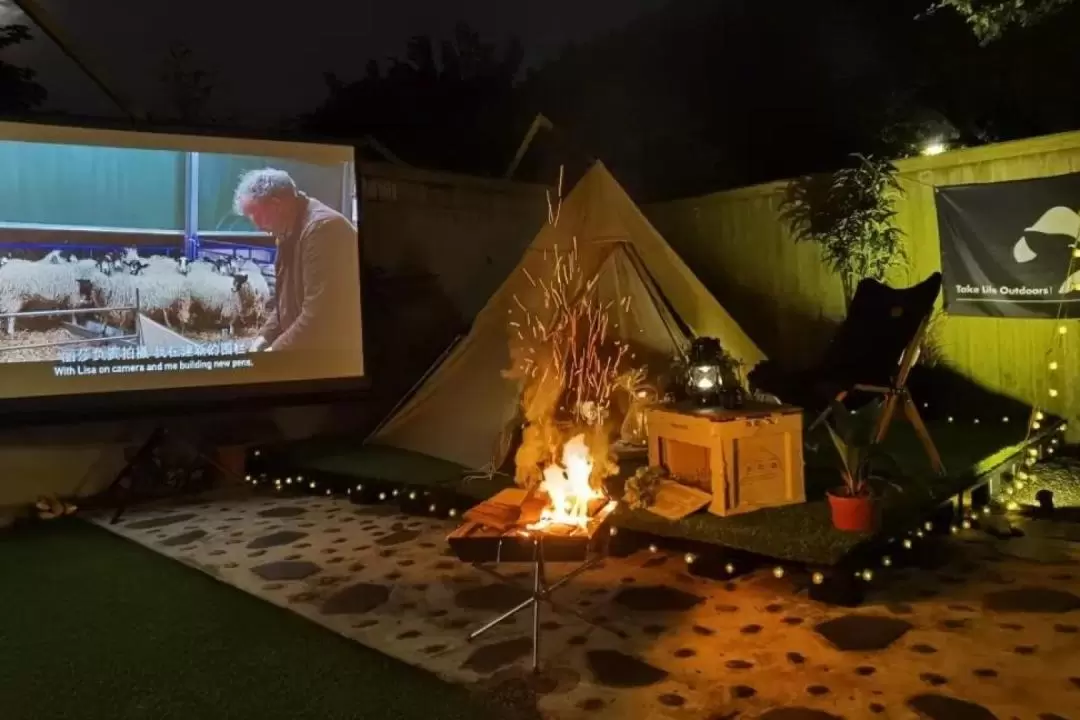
{"points": [[465, 409]]}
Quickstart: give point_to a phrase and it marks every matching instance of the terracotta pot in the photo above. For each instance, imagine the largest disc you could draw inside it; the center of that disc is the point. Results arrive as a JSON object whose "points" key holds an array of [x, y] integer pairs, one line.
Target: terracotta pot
{"points": [[851, 513]]}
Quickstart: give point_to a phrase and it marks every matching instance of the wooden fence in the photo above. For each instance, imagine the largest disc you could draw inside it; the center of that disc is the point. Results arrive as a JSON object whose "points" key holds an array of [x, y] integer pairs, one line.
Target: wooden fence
{"points": [[789, 303]]}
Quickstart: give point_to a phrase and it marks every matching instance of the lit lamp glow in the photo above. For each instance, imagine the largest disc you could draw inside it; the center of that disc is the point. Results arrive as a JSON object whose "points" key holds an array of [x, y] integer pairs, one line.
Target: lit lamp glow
{"points": [[933, 147], [704, 375]]}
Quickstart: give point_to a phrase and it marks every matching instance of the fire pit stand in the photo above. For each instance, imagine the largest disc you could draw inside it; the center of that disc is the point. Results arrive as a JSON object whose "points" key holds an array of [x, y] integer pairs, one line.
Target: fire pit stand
{"points": [[477, 546]]}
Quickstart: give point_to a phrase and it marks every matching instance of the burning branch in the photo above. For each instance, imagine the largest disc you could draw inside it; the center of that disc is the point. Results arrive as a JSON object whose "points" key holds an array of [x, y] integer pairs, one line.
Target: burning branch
{"points": [[569, 365]]}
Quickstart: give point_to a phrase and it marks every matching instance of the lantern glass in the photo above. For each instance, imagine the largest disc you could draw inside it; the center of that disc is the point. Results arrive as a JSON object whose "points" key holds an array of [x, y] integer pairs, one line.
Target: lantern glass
{"points": [[705, 379]]}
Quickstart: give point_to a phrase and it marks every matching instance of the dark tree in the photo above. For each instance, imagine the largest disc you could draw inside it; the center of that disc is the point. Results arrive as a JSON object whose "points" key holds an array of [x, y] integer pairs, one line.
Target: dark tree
{"points": [[989, 20], [19, 89], [189, 88], [451, 108], [702, 96]]}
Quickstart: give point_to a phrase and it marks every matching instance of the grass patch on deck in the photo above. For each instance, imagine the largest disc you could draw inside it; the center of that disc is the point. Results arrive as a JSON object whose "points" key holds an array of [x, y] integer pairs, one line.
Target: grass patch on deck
{"points": [[796, 533]]}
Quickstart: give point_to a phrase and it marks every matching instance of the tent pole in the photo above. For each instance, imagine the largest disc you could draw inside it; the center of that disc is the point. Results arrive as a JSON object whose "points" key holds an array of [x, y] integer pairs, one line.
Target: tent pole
{"points": [[416, 386], [658, 296]]}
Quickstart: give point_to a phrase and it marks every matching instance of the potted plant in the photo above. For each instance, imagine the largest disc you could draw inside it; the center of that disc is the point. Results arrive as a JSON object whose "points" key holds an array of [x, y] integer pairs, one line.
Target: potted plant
{"points": [[853, 502]]}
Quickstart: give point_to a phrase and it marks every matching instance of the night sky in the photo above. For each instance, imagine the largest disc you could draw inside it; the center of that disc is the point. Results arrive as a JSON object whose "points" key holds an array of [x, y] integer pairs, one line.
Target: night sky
{"points": [[270, 62]]}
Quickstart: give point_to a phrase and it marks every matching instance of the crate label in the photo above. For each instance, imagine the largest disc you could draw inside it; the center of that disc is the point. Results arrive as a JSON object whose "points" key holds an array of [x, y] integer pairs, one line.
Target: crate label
{"points": [[761, 470]]}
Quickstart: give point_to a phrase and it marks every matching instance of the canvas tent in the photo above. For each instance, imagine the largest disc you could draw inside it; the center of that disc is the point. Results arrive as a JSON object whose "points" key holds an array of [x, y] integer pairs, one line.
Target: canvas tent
{"points": [[466, 409]]}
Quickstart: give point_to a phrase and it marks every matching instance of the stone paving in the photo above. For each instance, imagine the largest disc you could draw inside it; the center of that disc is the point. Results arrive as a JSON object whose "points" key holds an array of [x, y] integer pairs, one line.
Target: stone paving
{"points": [[993, 631]]}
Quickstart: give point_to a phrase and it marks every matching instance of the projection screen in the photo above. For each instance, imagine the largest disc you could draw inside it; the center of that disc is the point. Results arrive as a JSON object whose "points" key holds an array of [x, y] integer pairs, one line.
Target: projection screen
{"points": [[137, 261]]}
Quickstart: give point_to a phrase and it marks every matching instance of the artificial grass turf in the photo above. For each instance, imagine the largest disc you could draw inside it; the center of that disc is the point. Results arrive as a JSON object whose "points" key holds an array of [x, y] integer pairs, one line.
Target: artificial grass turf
{"points": [[797, 533], [95, 626]]}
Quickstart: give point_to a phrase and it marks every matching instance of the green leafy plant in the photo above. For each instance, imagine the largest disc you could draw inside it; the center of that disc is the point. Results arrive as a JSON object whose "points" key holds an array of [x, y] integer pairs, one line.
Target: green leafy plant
{"points": [[852, 435], [642, 486], [990, 19], [849, 215], [855, 465]]}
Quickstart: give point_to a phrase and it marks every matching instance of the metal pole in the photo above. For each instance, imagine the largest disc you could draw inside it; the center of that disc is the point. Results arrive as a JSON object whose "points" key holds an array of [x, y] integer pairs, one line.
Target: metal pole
{"points": [[538, 582]]}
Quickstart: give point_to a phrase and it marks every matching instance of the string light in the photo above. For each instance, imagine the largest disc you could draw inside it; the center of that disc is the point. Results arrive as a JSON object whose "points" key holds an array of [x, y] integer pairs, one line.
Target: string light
{"points": [[653, 548], [359, 488], [729, 568], [817, 578], [868, 575], [431, 509], [382, 496], [690, 558], [452, 513], [907, 543], [778, 572], [312, 485], [886, 561], [966, 524], [613, 531]]}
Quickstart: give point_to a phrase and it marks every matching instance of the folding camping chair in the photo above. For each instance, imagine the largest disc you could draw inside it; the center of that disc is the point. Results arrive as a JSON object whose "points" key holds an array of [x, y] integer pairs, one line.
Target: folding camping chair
{"points": [[874, 352]]}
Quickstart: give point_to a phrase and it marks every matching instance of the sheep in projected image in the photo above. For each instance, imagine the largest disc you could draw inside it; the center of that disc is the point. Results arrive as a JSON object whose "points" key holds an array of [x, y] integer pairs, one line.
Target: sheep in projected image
{"points": [[194, 296], [232, 301], [47, 284], [162, 296]]}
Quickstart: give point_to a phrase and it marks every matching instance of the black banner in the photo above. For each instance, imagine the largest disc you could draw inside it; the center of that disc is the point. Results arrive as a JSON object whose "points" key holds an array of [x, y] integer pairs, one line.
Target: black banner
{"points": [[1006, 248]]}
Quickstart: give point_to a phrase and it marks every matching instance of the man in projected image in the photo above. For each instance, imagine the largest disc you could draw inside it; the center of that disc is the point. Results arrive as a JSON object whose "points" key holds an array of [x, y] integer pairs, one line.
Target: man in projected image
{"points": [[316, 265]]}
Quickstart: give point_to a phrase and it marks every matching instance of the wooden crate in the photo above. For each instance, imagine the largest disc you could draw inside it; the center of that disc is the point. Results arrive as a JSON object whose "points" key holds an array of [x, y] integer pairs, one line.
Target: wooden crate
{"points": [[747, 459]]}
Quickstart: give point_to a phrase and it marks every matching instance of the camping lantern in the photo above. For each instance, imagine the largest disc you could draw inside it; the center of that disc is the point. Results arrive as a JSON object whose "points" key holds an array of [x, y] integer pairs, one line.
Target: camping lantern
{"points": [[705, 380]]}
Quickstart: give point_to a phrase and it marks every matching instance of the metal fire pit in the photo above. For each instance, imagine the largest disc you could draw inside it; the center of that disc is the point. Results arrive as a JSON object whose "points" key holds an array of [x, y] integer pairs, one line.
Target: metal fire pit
{"points": [[479, 545]]}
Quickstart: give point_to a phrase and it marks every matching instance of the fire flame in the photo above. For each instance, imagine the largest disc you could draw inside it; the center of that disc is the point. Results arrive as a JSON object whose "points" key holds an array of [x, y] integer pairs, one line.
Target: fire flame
{"points": [[568, 489]]}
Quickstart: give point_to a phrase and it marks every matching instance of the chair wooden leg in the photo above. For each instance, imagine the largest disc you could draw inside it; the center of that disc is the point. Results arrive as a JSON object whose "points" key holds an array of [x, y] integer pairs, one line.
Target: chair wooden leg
{"points": [[821, 419], [888, 410], [913, 416]]}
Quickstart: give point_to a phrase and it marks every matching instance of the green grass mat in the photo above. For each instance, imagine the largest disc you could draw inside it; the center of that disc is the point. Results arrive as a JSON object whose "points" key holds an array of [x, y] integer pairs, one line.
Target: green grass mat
{"points": [[96, 627], [797, 533]]}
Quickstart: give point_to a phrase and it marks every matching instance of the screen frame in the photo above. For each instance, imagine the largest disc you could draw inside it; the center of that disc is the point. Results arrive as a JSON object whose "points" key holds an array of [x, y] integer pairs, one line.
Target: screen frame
{"points": [[111, 406]]}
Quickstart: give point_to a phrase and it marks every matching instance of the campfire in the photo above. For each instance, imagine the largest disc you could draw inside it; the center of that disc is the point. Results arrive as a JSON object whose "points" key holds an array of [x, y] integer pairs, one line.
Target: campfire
{"points": [[568, 488], [569, 362]]}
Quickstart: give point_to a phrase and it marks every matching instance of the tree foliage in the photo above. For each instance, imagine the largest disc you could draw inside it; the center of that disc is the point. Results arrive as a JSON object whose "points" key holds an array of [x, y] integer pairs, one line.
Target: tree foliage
{"points": [[849, 215], [451, 108], [188, 87], [19, 89], [990, 19]]}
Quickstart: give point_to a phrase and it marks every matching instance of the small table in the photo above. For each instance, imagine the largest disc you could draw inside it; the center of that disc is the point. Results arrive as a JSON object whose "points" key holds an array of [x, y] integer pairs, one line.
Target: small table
{"points": [[747, 458]]}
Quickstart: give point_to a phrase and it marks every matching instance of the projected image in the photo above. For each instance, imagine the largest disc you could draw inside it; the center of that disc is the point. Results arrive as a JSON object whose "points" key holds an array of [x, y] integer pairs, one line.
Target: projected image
{"points": [[134, 261]]}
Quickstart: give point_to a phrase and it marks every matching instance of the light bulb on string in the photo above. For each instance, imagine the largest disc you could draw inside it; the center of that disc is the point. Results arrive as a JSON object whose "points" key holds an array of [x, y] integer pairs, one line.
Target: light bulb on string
{"points": [[1053, 365]]}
